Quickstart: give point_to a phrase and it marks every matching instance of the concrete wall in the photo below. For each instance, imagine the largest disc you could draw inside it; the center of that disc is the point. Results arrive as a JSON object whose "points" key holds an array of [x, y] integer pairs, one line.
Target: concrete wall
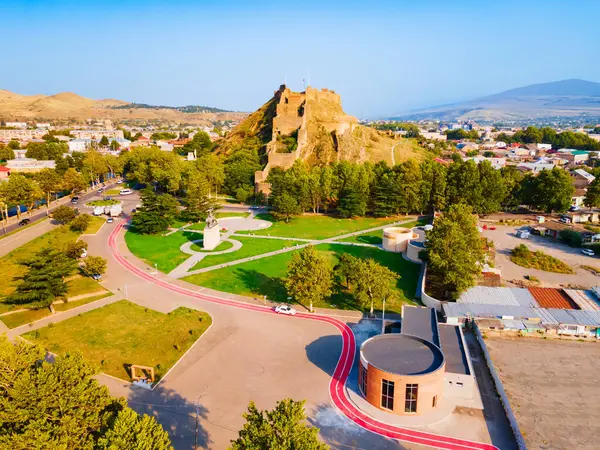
{"points": [[500, 388], [395, 239], [426, 299], [430, 385]]}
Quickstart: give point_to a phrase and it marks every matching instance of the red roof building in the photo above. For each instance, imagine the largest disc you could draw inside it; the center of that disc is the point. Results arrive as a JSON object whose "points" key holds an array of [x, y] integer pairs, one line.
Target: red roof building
{"points": [[4, 172]]}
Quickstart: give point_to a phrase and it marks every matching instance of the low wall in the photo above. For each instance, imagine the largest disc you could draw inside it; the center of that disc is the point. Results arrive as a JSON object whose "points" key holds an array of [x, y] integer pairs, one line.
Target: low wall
{"points": [[427, 300], [500, 389]]}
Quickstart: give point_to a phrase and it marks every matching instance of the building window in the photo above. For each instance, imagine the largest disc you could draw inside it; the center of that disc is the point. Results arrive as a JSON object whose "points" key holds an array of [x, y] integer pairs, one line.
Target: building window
{"points": [[362, 379], [387, 394], [410, 403], [434, 404]]}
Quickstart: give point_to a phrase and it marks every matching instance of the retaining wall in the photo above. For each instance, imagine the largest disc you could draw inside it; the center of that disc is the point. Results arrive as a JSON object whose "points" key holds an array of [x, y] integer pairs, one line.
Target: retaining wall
{"points": [[427, 299]]}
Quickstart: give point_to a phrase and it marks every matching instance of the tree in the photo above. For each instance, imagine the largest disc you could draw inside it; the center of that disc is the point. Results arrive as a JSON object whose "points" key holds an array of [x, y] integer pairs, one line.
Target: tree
{"points": [[64, 214], [80, 223], [347, 268], [20, 190], [454, 250], [114, 145], [60, 405], [285, 206], [75, 248], [14, 145], [372, 282], [156, 213], [6, 153], [44, 280], [95, 265], [552, 190], [50, 183], [309, 277], [104, 141], [239, 170], [196, 188], [94, 166], [73, 181], [283, 428], [592, 195]]}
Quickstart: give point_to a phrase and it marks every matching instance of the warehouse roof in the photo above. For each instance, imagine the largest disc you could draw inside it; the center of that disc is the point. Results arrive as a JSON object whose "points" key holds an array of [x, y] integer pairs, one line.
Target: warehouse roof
{"points": [[552, 298], [498, 296], [454, 350]]}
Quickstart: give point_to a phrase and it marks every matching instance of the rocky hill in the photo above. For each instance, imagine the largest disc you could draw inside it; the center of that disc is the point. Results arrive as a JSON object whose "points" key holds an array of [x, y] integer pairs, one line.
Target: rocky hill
{"points": [[567, 98], [70, 106], [311, 126]]}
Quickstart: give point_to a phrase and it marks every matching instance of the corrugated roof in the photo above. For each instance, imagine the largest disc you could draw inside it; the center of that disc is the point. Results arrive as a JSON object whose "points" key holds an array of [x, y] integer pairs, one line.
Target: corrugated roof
{"points": [[482, 295], [582, 300], [489, 311], [575, 317], [524, 297], [552, 298]]}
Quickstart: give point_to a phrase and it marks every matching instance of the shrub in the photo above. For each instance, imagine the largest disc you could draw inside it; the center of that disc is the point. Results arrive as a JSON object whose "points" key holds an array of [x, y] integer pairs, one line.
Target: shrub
{"points": [[64, 214], [80, 223], [570, 237], [522, 256], [74, 249]]}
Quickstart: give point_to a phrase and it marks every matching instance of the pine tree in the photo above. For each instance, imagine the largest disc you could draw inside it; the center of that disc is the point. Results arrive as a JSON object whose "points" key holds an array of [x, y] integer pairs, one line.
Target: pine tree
{"points": [[156, 213]]}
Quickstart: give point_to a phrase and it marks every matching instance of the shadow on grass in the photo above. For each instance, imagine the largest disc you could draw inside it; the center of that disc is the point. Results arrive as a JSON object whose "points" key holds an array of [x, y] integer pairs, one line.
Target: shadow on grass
{"points": [[177, 415], [261, 284], [373, 240]]}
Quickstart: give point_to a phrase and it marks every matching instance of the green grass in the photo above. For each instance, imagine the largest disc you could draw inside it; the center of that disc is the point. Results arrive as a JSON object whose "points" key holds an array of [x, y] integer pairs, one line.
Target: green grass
{"points": [[24, 317], [224, 245], [21, 228], [250, 247], [122, 333], [112, 192], [178, 223], [159, 249], [197, 226], [9, 267], [95, 225], [103, 203], [375, 237], [318, 226], [593, 269], [222, 215], [80, 285], [265, 277], [522, 256]]}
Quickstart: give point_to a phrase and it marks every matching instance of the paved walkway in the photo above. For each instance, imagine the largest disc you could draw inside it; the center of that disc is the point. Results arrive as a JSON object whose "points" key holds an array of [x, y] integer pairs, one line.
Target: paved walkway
{"points": [[14, 241], [332, 240]]}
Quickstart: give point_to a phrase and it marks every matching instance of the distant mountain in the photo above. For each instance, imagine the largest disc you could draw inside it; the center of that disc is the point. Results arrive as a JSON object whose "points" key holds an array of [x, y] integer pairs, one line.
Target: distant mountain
{"points": [[70, 106], [566, 99]]}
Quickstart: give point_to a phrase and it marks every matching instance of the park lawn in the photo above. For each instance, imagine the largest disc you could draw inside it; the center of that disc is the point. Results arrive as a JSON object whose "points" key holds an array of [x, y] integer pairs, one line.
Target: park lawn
{"points": [[222, 215], [81, 285], [95, 224], [223, 245], [265, 277], [318, 226], [9, 267], [123, 333], [103, 203], [250, 247], [24, 317], [375, 237], [178, 223], [112, 192], [199, 226], [160, 249]]}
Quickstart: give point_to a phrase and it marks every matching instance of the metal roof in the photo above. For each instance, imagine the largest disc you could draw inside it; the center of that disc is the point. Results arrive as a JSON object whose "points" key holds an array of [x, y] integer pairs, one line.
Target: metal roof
{"points": [[482, 295], [453, 348], [582, 299], [421, 322]]}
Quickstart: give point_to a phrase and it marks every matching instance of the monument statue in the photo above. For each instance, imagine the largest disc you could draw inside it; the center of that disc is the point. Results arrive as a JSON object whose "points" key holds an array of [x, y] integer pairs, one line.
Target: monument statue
{"points": [[212, 237]]}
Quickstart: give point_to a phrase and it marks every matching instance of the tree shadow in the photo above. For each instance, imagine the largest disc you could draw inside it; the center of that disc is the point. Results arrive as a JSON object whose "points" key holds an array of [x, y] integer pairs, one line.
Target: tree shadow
{"points": [[178, 416], [339, 432], [261, 284], [366, 239]]}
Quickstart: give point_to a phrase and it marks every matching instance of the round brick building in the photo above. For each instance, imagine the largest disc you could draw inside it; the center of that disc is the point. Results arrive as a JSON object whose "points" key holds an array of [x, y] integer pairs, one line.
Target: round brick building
{"points": [[401, 374]]}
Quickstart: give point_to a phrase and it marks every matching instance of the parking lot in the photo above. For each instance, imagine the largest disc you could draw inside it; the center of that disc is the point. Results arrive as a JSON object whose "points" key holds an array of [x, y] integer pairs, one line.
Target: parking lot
{"points": [[552, 387], [505, 240]]}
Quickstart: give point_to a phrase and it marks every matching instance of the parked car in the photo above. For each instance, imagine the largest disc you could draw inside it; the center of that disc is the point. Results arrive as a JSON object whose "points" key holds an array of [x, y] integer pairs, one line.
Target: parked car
{"points": [[119, 181], [101, 190], [587, 251], [84, 253], [574, 208], [110, 220], [125, 192], [96, 276], [74, 199], [24, 222], [564, 220], [285, 309], [133, 210]]}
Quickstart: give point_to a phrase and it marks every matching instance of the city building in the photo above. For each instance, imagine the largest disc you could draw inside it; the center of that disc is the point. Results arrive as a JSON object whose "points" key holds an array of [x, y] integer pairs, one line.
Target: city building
{"points": [[97, 134], [19, 134], [29, 165], [4, 173], [21, 125], [416, 371]]}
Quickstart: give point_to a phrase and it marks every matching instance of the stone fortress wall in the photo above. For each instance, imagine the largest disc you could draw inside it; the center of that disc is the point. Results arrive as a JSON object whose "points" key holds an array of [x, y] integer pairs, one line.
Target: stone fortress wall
{"points": [[302, 112]]}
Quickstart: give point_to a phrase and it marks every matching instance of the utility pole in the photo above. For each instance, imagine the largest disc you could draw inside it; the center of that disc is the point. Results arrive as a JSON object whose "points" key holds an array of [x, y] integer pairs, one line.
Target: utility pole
{"points": [[383, 318]]}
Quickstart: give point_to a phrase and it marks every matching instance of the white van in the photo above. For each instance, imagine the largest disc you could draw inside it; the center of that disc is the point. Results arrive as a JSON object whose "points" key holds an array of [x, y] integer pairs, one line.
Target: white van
{"points": [[125, 192]]}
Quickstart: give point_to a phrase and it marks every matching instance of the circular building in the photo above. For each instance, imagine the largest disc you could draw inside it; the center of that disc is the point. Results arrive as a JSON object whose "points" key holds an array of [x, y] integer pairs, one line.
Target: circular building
{"points": [[401, 374], [395, 239]]}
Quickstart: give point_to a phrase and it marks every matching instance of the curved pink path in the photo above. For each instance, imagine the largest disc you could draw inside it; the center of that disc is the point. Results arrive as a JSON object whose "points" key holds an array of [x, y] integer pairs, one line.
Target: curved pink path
{"points": [[340, 375]]}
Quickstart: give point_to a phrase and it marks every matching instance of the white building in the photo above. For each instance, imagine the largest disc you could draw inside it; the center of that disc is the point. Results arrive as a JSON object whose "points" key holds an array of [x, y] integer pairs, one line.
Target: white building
{"points": [[97, 134], [21, 125], [21, 134], [82, 145], [42, 125], [29, 165], [497, 163]]}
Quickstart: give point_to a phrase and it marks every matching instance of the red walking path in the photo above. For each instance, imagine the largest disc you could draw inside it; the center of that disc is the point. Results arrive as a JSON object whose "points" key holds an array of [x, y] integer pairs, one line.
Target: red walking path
{"points": [[340, 375]]}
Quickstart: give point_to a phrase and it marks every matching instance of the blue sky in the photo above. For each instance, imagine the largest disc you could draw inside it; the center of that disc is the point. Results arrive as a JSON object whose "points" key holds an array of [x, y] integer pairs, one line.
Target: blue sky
{"points": [[382, 56]]}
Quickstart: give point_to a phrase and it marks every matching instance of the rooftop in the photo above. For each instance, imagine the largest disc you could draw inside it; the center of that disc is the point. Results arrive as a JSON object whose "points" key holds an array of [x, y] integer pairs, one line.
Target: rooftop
{"points": [[421, 322], [552, 298], [454, 351], [402, 354]]}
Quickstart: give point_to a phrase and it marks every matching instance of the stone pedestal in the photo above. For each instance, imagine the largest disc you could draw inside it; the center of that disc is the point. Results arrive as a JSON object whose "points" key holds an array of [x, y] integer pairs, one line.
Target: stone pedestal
{"points": [[211, 238]]}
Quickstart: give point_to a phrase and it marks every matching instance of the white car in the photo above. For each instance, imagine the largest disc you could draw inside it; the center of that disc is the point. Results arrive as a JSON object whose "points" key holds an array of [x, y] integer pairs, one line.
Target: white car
{"points": [[84, 253], [588, 252], [285, 309]]}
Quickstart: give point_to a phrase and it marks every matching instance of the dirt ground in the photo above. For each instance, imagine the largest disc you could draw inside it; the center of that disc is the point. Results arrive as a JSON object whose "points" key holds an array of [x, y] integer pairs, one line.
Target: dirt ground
{"points": [[505, 240], [552, 386]]}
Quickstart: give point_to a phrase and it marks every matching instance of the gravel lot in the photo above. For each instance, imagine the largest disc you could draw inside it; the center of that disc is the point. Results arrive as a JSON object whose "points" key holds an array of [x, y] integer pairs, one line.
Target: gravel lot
{"points": [[552, 386], [505, 240]]}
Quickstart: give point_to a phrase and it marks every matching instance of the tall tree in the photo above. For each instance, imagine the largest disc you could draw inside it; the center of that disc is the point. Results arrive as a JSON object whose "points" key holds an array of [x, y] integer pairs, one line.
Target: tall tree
{"points": [[20, 190], [309, 277], [493, 190], [197, 190], [285, 206], [592, 195], [278, 429], [552, 190], [156, 214], [373, 282], [61, 405], [44, 281], [64, 214], [94, 166], [50, 183], [454, 250], [104, 141], [73, 181]]}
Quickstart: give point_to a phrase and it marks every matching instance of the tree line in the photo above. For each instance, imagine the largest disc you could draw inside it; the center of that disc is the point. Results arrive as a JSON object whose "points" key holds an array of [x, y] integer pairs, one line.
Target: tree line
{"points": [[411, 187], [547, 135]]}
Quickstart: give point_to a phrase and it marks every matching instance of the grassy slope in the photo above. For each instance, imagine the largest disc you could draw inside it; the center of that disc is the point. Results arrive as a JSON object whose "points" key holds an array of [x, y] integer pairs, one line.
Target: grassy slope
{"points": [[123, 333], [250, 247], [160, 249], [264, 276], [318, 226], [58, 237]]}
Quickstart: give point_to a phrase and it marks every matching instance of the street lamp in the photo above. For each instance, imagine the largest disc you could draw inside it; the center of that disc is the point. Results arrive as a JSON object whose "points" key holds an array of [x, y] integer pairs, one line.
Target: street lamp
{"points": [[383, 318]]}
